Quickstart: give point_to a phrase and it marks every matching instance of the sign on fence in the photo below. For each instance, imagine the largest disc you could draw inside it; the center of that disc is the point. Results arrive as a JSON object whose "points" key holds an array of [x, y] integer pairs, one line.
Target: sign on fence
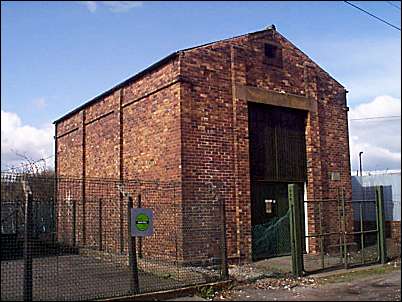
{"points": [[141, 222]]}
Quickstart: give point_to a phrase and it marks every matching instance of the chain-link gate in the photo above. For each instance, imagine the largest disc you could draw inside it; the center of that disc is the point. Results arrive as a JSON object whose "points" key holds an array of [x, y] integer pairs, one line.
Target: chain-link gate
{"points": [[336, 232], [68, 239]]}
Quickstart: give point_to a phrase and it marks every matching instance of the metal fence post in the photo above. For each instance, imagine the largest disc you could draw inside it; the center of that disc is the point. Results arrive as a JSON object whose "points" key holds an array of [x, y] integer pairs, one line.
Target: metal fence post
{"points": [[84, 217], [381, 223], [100, 224], [16, 219], [340, 226], [74, 223], [224, 260], [345, 244], [132, 252], [361, 230], [121, 211], [295, 232], [55, 220], [27, 290], [321, 237], [139, 238]]}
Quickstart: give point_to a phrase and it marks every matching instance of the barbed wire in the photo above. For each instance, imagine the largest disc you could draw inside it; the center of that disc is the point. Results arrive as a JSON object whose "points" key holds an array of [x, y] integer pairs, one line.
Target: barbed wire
{"points": [[33, 165]]}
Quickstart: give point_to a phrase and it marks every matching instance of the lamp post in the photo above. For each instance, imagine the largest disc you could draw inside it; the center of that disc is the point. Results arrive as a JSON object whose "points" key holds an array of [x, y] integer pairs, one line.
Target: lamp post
{"points": [[360, 161]]}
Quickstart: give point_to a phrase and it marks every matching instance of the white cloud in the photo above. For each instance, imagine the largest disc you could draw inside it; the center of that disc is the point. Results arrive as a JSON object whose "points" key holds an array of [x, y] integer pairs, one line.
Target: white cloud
{"points": [[113, 6], [35, 143], [379, 139]]}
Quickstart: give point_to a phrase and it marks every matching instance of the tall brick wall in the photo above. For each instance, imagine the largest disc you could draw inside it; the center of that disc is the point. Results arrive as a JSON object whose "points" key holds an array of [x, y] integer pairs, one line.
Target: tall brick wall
{"points": [[207, 127], [184, 121], [215, 125], [132, 133]]}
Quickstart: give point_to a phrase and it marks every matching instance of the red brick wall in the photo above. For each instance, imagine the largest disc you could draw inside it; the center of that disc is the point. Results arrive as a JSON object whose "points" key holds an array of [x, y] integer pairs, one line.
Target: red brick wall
{"points": [[69, 146], [207, 127], [215, 125], [145, 145], [393, 231], [151, 133]]}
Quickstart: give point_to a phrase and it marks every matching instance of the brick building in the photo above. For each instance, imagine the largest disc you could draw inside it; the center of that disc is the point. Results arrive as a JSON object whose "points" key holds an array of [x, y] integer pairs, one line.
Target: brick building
{"points": [[252, 112]]}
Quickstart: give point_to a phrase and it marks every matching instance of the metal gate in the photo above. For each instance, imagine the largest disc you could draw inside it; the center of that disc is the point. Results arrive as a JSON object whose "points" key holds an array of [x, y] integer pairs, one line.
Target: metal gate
{"points": [[338, 232]]}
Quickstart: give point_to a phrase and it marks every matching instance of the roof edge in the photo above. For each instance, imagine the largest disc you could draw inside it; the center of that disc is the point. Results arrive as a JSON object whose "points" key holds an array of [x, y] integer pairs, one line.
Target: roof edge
{"points": [[118, 86], [226, 39]]}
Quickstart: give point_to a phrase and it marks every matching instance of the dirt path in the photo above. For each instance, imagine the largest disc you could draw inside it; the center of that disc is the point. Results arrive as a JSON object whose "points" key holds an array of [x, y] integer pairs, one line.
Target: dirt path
{"points": [[372, 287]]}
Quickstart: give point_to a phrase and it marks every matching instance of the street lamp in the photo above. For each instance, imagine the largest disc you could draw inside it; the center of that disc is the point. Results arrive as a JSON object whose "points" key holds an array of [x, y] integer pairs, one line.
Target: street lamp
{"points": [[360, 160]]}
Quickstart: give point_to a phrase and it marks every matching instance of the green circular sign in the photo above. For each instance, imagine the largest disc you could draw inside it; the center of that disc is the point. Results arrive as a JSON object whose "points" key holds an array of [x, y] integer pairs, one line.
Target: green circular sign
{"points": [[142, 222]]}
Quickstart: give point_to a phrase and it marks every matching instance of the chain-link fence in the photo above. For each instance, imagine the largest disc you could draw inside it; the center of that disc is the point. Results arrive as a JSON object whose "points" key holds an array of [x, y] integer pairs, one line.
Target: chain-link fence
{"points": [[272, 239], [69, 239]]}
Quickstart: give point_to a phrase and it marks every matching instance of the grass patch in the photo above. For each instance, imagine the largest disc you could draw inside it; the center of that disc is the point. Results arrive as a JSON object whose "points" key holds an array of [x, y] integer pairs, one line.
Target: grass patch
{"points": [[352, 275]]}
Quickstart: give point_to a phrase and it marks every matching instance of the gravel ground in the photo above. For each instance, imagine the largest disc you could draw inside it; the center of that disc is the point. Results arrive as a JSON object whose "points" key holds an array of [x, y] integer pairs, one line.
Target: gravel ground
{"points": [[366, 285], [375, 283], [384, 288]]}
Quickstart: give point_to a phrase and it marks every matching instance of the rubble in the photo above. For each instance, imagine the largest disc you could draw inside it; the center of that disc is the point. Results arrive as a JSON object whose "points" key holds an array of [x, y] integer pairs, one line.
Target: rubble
{"points": [[249, 273], [285, 283]]}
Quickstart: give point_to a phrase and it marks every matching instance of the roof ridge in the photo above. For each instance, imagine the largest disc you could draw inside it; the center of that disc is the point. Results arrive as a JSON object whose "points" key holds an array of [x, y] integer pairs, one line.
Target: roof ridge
{"points": [[223, 40]]}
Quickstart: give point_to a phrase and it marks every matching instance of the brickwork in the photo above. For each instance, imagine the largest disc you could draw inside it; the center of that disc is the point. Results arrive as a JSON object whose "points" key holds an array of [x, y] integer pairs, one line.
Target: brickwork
{"points": [[215, 128], [184, 121], [393, 231], [89, 145]]}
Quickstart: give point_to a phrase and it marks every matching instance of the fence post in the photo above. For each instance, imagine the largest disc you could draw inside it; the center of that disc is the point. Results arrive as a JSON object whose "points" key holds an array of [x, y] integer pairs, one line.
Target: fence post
{"points": [[345, 244], [121, 207], [295, 232], [55, 220], [139, 238], [132, 252], [27, 290], [381, 223], [84, 217], [16, 219], [224, 260], [361, 230], [340, 226], [100, 224], [74, 223], [321, 236]]}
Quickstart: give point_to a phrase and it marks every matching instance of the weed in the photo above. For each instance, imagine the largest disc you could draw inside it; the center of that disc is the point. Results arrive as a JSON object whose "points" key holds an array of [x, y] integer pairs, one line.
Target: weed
{"points": [[206, 292]]}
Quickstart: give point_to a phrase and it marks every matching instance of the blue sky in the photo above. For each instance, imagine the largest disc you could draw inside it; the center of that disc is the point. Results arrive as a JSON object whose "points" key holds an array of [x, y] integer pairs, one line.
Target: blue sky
{"points": [[57, 55]]}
